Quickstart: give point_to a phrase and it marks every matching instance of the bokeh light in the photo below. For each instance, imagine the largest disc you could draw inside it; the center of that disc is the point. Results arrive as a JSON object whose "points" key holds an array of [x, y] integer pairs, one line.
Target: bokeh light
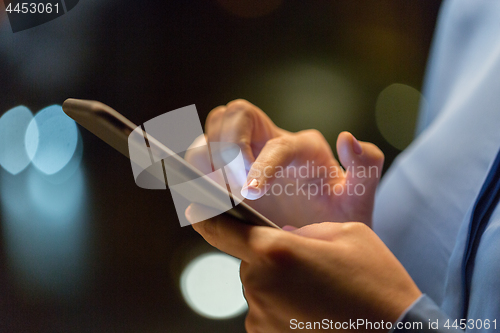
{"points": [[13, 125], [43, 215], [51, 139], [45, 229], [57, 200], [312, 93], [211, 286], [396, 113]]}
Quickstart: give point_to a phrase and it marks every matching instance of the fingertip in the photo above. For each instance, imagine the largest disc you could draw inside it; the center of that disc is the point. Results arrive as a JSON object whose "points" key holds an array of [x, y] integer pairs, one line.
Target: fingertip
{"points": [[348, 146], [344, 135], [251, 192], [289, 228], [356, 146], [373, 151], [344, 146]]}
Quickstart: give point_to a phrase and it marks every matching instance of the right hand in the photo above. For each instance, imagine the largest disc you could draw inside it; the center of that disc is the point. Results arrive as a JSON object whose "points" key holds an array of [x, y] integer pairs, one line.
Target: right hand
{"points": [[316, 189], [339, 271]]}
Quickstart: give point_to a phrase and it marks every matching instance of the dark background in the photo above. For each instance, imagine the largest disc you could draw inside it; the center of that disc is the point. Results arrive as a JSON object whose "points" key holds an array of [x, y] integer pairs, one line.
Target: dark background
{"points": [[146, 58]]}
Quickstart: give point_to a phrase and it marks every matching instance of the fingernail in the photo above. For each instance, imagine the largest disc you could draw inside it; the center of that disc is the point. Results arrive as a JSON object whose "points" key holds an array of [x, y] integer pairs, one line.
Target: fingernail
{"points": [[356, 146], [251, 190], [289, 228], [253, 183]]}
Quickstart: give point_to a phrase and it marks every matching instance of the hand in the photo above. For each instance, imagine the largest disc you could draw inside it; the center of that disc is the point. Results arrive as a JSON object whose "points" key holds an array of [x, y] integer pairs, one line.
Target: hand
{"points": [[315, 188], [337, 271]]}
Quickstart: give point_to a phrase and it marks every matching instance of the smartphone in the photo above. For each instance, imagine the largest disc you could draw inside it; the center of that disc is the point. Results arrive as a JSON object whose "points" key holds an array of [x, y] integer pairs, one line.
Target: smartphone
{"points": [[114, 129]]}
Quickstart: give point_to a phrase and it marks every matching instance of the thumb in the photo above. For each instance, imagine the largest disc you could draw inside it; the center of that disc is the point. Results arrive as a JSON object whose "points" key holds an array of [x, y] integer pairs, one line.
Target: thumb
{"points": [[362, 161]]}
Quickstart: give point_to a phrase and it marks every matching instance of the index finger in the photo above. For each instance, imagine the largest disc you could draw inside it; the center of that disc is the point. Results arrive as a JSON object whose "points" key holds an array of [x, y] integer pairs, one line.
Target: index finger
{"points": [[241, 123]]}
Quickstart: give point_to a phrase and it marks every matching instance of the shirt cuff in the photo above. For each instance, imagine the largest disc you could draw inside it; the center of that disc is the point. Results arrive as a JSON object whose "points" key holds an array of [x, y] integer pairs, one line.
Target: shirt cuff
{"points": [[423, 316]]}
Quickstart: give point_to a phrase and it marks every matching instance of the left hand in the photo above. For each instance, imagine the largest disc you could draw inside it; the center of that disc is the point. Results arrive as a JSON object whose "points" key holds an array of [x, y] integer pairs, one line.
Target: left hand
{"points": [[337, 271]]}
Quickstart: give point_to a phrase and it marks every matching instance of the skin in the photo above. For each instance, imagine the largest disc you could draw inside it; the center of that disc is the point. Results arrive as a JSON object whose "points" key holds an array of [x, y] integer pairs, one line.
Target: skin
{"points": [[266, 148], [337, 271]]}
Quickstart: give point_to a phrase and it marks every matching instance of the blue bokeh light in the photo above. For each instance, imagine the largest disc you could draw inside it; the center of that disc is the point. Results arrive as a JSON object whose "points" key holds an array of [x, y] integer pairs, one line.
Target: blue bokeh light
{"points": [[13, 126], [51, 140], [45, 229], [44, 209]]}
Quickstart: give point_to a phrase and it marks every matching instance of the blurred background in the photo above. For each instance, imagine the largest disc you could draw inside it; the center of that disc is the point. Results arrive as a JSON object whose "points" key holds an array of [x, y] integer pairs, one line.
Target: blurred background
{"points": [[82, 248]]}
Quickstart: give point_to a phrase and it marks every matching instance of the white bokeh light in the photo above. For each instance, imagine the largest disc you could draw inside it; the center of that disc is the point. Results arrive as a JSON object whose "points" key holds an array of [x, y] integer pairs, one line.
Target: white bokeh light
{"points": [[211, 286]]}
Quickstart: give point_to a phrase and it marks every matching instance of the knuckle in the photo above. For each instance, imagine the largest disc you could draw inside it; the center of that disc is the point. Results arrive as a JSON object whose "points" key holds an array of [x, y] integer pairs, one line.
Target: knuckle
{"points": [[239, 104], [243, 143], [191, 156], [273, 249], [282, 146], [314, 133], [283, 141], [240, 109], [215, 115], [352, 228], [314, 136], [209, 230], [197, 150], [246, 148]]}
